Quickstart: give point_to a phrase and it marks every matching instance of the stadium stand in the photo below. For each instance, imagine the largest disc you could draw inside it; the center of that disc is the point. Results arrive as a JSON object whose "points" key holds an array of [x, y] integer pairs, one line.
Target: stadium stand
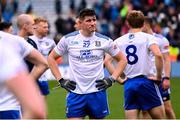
{"points": [[111, 15]]}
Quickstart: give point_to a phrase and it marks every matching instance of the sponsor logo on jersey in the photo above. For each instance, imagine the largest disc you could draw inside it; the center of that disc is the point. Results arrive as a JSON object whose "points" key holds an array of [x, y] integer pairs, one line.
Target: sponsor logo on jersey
{"points": [[85, 53], [87, 56], [97, 43]]}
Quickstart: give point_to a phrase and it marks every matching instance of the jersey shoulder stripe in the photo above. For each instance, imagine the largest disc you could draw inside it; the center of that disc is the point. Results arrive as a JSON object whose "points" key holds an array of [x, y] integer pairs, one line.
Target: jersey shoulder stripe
{"points": [[101, 36], [30, 41], [72, 34]]}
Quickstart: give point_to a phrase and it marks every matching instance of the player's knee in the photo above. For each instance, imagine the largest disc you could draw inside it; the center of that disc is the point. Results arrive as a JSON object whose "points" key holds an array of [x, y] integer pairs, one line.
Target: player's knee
{"points": [[168, 109]]}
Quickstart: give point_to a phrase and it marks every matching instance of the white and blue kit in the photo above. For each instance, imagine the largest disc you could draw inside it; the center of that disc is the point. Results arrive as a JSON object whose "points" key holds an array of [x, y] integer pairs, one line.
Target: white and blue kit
{"points": [[86, 56], [139, 92], [11, 63], [164, 48], [44, 46]]}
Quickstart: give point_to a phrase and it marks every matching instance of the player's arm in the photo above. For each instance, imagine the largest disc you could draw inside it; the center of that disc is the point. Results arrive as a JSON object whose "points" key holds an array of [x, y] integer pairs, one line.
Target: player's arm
{"points": [[25, 89], [39, 61], [167, 69], [53, 64], [158, 59], [121, 64], [64, 83], [116, 72], [110, 67]]}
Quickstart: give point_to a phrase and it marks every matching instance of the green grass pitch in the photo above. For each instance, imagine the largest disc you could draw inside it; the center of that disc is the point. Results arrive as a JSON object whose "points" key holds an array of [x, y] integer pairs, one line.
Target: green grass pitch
{"points": [[56, 100]]}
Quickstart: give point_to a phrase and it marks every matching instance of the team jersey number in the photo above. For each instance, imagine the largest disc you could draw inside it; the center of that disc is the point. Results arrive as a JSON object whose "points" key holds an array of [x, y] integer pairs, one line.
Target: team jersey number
{"points": [[86, 44], [131, 54]]}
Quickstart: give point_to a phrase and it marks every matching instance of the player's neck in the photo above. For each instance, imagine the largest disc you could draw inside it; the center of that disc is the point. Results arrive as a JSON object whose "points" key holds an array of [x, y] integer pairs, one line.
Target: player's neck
{"points": [[23, 34], [134, 30], [86, 34], [150, 31], [38, 35]]}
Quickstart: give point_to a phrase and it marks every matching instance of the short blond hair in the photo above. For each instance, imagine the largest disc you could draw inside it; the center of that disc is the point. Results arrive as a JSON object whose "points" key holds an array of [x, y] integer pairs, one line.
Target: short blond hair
{"points": [[39, 19]]}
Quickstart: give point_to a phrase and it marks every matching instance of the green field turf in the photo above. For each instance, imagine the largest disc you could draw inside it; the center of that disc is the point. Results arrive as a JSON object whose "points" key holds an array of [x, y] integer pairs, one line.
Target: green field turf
{"points": [[56, 100]]}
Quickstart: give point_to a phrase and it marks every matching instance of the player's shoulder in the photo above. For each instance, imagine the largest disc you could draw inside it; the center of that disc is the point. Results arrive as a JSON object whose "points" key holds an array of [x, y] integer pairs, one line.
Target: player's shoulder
{"points": [[158, 36], [122, 38], [7, 35], [48, 39], [161, 37], [103, 37], [72, 34]]}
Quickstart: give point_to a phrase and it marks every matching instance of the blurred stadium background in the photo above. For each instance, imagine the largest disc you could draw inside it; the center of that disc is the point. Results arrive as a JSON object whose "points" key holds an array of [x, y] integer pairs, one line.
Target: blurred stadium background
{"points": [[111, 15]]}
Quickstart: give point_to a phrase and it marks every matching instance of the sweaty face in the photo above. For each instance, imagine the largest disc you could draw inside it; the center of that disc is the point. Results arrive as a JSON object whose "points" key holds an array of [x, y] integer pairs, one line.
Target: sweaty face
{"points": [[42, 28], [89, 24]]}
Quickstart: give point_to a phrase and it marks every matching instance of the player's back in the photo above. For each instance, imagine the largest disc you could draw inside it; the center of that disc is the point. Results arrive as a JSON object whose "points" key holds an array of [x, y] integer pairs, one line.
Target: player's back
{"points": [[11, 62], [136, 48], [22, 47]]}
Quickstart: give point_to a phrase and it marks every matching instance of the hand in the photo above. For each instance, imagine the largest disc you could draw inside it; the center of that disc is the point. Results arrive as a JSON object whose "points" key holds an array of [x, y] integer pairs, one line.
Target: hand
{"points": [[165, 83], [67, 84], [104, 83], [155, 80]]}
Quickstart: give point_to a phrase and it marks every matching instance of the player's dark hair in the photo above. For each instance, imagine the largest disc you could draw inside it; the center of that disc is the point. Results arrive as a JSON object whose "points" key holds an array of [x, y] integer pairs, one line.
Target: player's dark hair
{"points": [[5, 25], [135, 19], [86, 12]]}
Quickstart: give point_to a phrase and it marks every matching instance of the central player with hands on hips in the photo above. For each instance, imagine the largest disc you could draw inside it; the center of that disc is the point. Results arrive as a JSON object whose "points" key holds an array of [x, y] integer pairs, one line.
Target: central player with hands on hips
{"points": [[87, 84]]}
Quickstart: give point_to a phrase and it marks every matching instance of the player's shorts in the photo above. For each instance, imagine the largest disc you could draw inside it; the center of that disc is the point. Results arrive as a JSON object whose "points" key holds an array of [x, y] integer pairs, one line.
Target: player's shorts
{"points": [[165, 93], [141, 93], [93, 104], [10, 114], [44, 87]]}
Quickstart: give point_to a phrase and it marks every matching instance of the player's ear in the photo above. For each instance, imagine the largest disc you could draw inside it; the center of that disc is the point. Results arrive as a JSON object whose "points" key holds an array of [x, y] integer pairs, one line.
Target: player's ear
{"points": [[126, 22]]}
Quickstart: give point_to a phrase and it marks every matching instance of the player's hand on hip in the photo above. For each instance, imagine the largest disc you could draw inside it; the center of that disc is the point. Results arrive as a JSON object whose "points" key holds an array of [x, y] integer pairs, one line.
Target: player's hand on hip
{"points": [[67, 84], [155, 80], [104, 83]]}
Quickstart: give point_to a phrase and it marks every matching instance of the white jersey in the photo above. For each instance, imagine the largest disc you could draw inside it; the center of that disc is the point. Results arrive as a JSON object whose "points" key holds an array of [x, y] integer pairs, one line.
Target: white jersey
{"points": [[86, 56], [45, 45], [11, 63], [17, 42], [136, 48], [164, 48]]}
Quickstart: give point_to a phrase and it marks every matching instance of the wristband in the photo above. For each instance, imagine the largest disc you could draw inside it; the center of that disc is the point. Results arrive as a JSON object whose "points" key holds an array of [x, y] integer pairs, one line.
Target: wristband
{"points": [[167, 78]]}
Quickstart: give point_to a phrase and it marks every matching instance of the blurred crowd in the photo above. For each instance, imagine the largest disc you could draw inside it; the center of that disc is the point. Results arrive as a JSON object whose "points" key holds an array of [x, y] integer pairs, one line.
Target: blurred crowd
{"points": [[111, 17]]}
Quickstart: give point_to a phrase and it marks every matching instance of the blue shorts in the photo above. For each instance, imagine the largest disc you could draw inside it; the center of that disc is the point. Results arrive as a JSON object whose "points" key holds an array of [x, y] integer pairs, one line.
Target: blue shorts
{"points": [[141, 93], [44, 87], [165, 93], [93, 104], [10, 114]]}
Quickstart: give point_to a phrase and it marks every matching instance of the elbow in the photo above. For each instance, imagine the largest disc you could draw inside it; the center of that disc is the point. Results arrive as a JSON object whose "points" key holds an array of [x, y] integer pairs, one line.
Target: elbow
{"points": [[46, 66], [39, 113], [159, 56], [125, 60], [106, 62]]}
